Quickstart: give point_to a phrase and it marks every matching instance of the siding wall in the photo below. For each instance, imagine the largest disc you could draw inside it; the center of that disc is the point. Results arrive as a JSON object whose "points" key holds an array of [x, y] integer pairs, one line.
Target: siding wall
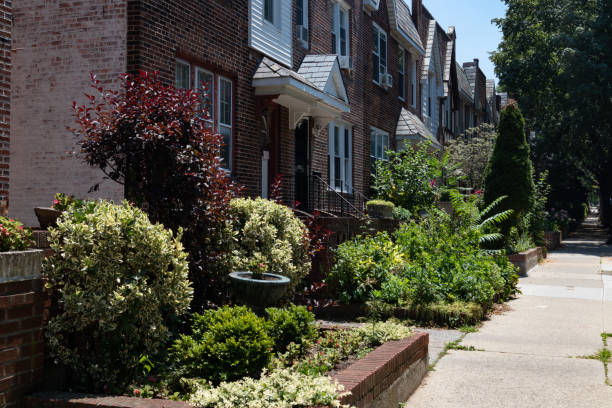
{"points": [[275, 41]]}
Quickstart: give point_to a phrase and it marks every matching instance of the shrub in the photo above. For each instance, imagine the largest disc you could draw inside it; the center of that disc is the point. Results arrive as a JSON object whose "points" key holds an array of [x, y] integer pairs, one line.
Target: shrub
{"points": [[284, 388], [265, 230], [362, 266], [510, 171], [407, 179], [291, 325], [402, 214], [13, 237], [469, 154], [120, 282], [226, 344], [61, 202], [155, 140], [380, 203]]}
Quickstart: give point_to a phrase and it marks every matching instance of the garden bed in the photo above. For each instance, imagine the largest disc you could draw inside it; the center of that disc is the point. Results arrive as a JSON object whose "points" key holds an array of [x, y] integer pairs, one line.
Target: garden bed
{"points": [[553, 239], [383, 378], [525, 261]]}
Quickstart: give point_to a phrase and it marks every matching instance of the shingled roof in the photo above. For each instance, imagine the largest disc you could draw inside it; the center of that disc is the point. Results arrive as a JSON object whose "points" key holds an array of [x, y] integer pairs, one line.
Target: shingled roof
{"points": [[464, 83], [410, 127], [448, 59], [399, 12], [431, 32]]}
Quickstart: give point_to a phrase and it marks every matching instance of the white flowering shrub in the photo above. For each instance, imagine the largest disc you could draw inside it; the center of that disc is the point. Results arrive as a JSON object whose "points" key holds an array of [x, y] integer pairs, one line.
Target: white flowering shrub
{"points": [[270, 233], [283, 388], [120, 282]]}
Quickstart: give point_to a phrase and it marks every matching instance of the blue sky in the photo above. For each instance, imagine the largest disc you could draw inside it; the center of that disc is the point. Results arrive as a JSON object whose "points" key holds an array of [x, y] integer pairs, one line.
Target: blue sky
{"points": [[476, 36]]}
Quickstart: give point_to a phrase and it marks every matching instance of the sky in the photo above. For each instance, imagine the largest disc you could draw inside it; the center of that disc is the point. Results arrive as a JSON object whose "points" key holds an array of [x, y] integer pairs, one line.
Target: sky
{"points": [[476, 36]]}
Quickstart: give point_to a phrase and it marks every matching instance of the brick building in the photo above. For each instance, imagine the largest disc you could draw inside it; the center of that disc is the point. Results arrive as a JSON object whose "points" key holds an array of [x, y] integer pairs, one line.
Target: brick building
{"points": [[313, 90], [6, 25]]}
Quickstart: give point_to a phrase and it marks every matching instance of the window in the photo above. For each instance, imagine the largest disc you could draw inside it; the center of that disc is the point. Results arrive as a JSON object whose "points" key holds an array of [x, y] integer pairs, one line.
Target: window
{"points": [[379, 53], [269, 11], [429, 94], [183, 77], [413, 82], [340, 30], [301, 21], [401, 70], [340, 157], [379, 144], [218, 101], [299, 10]]}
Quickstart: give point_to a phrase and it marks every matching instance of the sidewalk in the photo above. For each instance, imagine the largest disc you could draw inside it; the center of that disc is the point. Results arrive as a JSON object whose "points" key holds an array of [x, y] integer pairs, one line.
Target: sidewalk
{"points": [[529, 353]]}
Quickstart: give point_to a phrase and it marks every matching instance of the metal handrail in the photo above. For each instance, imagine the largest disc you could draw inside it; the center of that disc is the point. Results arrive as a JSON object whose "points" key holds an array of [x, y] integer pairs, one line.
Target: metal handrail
{"points": [[343, 200]]}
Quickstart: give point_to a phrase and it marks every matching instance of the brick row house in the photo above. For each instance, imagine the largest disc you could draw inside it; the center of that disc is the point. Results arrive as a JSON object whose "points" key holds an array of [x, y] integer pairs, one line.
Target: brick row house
{"points": [[313, 90]]}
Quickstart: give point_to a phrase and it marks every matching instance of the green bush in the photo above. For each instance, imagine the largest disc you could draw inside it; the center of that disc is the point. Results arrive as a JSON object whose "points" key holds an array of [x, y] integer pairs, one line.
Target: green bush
{"points": [[362, 266], [291, 325], [510, 171], [407, 179], [402, 214], [226, 344], [120, 282], [380, 203], [269, 232], [13, 237]]}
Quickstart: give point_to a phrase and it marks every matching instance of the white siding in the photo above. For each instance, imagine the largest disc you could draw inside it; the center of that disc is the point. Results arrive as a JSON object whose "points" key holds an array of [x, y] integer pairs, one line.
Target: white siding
{"points": [[273, 40]]}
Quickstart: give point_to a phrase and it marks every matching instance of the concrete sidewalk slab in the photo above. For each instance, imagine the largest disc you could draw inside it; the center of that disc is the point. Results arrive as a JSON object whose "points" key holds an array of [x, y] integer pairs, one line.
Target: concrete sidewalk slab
{"points": [[466, 379]]}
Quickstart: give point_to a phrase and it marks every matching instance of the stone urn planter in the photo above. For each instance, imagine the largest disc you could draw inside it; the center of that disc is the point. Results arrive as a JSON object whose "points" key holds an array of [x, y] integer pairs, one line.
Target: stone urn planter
{"points": [[47, 216], [259, 292], [380, 209], [20, 265]]}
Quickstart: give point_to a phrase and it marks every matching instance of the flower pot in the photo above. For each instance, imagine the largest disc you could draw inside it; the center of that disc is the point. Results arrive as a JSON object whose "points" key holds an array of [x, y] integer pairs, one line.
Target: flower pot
{"points": [[20, 265], [380, 211], [47, 217], [259, 292]]}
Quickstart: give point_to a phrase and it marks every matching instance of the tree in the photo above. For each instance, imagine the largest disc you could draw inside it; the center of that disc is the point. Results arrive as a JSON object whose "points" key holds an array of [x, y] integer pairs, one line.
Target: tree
{"points": [[510, 171], [155, 141], [469, 154], [554, 59]]}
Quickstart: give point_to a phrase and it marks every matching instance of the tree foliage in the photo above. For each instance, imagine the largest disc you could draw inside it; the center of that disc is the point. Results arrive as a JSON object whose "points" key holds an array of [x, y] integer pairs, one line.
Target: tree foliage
{"points": [[510, 171], [555, 60], [154, 139], [469, 155]]}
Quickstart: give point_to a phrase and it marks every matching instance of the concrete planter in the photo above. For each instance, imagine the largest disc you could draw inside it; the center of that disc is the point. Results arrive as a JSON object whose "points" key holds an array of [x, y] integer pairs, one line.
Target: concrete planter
{"points": [[553, 239], [380, 211], [525, 261], [20, 265], [259, 292], [47, 217]]}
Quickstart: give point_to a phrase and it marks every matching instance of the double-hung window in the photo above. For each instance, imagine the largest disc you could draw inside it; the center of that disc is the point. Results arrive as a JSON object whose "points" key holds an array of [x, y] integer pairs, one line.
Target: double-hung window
{"points": [[217, 102], [340, 157], [413, 69], [301, 21], [401, 73], [340, 30], [379, 53], [379, 144]]}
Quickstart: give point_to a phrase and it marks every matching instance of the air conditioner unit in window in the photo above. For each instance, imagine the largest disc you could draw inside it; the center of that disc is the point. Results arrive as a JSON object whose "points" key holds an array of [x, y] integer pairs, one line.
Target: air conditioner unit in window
{"points": [[346, 62], [371, 5], [302, 33], [386, 81]]}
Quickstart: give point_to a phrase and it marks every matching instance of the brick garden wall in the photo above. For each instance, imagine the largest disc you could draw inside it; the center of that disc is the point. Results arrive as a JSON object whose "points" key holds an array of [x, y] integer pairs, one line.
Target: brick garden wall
{"points": [[22, 306], [6, 24], [56, 46]]}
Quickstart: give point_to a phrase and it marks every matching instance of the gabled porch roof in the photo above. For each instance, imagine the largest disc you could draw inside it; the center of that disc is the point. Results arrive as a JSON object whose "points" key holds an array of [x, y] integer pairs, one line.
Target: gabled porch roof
{"points": [[411, 129], [316, 90]]}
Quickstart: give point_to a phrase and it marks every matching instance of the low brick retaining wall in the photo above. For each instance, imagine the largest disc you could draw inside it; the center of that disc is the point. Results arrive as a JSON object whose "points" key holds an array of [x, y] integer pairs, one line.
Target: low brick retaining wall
{"points": [[383, 379], [525, 261]]}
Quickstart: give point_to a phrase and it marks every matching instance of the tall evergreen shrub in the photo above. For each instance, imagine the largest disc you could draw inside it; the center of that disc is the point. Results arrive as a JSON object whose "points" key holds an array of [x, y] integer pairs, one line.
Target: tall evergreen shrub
{"points": [[510, 171]]}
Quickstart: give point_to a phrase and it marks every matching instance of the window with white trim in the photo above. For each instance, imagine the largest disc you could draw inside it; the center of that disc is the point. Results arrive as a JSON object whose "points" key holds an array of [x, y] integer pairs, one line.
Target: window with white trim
{"points": [[413, 89], [379, 144], [340, 157], [217, 100], [269, 12], [340, 30], [301, 19], [401, 73], [379, 53]]}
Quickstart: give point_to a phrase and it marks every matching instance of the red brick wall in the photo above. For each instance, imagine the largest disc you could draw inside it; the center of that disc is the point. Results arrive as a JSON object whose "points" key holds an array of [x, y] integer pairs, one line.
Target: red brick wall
{"points": [[22, 306], [57, 44], [5, 98]]}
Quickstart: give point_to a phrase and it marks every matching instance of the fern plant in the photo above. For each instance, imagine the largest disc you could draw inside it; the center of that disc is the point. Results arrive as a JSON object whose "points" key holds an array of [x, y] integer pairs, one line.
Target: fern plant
{"points": [[467, 214]]}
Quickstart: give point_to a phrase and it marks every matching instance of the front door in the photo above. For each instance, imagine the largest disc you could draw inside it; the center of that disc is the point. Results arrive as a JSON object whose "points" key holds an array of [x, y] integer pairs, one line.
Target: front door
{"points": [[302, 164]]}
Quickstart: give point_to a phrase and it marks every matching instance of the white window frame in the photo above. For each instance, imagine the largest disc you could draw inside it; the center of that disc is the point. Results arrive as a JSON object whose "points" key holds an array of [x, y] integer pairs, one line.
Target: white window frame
{"points": [[345, 154], [381, 141], [231, 119], [401, 73], [188, 65], [304, 20], [340, 16], [379, 33], [275, 10], [215, 118], [413, 83]]}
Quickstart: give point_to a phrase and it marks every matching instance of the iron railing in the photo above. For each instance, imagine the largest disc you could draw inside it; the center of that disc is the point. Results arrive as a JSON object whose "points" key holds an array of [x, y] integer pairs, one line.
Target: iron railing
{"points": [[339, 201]]}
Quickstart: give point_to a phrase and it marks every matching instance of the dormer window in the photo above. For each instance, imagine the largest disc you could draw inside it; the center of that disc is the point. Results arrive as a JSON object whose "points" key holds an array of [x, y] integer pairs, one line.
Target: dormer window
{"points": [[340, 30]]}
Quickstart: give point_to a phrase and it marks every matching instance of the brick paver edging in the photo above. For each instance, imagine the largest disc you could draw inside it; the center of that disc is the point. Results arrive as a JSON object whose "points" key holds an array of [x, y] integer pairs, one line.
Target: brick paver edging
{"points": [[366, 379]]}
